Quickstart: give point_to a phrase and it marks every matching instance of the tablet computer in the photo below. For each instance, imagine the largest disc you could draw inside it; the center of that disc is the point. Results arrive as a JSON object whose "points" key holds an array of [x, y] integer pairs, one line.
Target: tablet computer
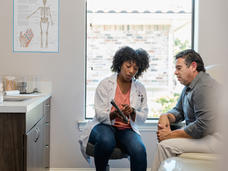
{"points": [[125, 119]]}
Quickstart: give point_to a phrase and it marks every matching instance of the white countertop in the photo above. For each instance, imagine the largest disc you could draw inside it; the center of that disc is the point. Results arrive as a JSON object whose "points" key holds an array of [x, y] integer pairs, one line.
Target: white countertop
{"points": [[25, 105]]}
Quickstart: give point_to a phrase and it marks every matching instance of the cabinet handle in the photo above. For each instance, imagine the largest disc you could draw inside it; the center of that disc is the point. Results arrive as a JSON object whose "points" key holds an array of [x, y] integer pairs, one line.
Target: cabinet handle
{"points": [[37, 134]]}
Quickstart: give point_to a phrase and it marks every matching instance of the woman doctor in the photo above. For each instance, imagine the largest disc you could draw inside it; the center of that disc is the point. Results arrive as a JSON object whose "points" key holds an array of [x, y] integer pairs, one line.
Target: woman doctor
{"points": [[130, 96]]}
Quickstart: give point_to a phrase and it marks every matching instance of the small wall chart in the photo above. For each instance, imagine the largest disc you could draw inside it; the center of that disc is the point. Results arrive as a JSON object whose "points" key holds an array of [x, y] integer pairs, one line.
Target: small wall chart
{"points": [[36, 26]]}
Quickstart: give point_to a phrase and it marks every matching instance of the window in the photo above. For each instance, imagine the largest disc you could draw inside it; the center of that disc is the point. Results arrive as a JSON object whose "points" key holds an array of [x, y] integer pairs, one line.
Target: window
{"points": [[161, 27]]}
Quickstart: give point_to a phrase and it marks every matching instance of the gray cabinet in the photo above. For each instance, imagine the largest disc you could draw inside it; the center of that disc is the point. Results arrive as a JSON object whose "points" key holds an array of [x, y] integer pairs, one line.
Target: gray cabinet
{"points": [[25, 139], [34, 147], [38, 137]]}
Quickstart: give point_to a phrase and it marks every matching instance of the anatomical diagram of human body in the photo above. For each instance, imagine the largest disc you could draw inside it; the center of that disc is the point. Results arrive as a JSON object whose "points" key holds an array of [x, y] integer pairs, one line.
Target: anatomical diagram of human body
{"points": [[45, 14]]}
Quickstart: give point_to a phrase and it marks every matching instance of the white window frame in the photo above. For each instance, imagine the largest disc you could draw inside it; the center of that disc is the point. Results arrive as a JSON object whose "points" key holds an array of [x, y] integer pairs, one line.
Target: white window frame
{"points": [[150, 121]]}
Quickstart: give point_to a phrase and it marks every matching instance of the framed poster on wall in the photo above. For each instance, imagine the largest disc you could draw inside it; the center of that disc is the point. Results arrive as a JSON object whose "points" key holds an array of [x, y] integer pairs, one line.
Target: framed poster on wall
{"points": [[36, 26]]}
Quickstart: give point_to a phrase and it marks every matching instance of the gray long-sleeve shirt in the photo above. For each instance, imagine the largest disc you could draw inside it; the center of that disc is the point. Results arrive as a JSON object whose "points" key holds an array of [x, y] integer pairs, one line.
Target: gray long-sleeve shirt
{"points": [[196, 106]]}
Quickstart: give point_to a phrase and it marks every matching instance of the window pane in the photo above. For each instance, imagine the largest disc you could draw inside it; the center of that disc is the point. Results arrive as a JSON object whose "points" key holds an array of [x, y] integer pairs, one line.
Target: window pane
{"points": [[161, 27]]}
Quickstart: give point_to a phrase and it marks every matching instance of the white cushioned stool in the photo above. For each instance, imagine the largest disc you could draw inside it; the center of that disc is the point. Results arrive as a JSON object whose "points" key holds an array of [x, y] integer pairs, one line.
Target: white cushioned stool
{"points": [[200, 156], [190, 162]]}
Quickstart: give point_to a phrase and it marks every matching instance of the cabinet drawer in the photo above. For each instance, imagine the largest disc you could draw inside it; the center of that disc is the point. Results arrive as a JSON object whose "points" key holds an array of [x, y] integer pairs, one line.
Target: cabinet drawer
{"points": [[33, 116], [34, 147]]}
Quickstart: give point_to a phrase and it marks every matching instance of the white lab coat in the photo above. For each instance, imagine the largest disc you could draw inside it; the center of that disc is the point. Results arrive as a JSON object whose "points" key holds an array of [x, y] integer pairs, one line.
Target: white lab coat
{"points": [[105, 92]]}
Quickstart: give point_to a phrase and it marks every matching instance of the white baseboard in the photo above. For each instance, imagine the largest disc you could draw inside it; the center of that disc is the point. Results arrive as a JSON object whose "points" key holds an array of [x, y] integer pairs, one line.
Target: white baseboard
{"points": [[89, 169]]}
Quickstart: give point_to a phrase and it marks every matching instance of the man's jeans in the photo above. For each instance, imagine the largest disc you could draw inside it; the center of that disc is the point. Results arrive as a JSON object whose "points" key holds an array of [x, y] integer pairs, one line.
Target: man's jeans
{"points": [[106, 137]]}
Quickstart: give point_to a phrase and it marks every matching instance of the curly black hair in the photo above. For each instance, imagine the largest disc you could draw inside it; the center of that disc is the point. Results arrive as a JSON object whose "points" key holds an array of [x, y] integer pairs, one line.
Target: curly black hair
{"points": [[143, 58], [191, 56], [126, 53]]}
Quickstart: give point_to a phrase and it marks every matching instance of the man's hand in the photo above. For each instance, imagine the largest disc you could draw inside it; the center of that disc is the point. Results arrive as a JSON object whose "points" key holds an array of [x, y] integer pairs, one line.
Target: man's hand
{"points": [[163, 122], [164, 131], [163, 134]]}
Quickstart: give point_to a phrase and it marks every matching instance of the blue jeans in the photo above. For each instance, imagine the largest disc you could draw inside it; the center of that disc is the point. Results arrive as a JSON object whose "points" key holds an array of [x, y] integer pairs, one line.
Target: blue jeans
{"points": [[106, 137]]}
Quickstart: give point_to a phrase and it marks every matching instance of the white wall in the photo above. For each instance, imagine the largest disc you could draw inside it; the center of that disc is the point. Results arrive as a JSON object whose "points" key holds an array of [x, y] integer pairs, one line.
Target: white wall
{"points": [[66, 71], [212, 30]]}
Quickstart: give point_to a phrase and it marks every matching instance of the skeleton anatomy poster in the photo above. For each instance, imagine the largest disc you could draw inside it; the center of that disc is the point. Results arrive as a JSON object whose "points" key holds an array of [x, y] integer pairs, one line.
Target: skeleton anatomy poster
{"points": [[36, 26]]}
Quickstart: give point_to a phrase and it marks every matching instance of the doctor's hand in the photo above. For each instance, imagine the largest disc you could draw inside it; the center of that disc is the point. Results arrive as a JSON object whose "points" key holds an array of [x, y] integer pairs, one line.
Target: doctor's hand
{"points": [[114, 115], [129, 111]]}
